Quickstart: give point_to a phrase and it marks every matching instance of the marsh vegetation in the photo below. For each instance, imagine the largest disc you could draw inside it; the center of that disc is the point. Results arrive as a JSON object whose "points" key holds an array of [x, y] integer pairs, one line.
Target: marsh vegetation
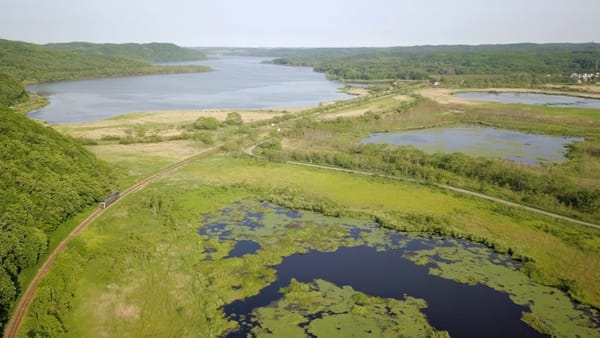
{"points": [[162, 261]]}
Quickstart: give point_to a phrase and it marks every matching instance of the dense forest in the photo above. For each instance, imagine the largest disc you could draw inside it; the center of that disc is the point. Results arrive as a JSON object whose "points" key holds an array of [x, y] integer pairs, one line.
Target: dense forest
{"points": [[150, 52], [45, 178], [11, 91], [32, 63], [484, 65]]}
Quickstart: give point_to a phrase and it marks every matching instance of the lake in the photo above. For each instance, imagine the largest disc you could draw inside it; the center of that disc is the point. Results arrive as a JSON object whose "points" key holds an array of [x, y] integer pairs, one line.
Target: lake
{"points": [[551, 100], [340, 277], [476, 141], [235, 83]]}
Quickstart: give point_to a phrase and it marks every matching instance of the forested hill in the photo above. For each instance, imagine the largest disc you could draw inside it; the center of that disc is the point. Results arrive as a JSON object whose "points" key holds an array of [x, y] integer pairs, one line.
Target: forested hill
{"points": [[11, 91], [45, 178], [516, 62], [150, 52], [35, 63]]}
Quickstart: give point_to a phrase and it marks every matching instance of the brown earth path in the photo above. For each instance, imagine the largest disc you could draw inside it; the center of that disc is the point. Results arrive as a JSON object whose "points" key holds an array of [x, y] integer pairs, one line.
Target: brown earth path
{"points": [[13, 326]]}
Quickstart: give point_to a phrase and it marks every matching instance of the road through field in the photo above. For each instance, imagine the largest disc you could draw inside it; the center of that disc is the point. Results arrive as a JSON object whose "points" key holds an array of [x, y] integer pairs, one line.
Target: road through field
{"points": [[458, 190], [12, 328], [250, 152]]}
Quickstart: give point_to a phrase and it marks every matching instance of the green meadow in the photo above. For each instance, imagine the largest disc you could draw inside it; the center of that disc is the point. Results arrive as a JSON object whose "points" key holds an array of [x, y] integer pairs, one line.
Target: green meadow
{"points": [[143, 268]]}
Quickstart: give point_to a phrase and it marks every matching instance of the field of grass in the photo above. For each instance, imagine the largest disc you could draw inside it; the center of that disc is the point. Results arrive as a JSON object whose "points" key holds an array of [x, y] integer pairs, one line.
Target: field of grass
{"points": [[133, 162], [142, 268], [164, 124]]}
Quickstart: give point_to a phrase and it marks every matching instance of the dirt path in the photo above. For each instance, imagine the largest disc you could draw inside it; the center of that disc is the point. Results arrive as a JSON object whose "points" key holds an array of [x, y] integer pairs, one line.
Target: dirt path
{"points": [[13, 326], [250, 151], [458, 190]]}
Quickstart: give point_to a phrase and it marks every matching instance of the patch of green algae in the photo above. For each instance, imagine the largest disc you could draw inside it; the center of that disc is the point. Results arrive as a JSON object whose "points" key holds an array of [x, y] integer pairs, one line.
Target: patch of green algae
{"points": [[551, 310], [323, 309]]}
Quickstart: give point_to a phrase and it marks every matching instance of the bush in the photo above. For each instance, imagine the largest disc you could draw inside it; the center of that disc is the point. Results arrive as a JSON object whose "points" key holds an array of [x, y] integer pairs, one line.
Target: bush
{"points": [[204, 137], [206, 123], [234, 119]]}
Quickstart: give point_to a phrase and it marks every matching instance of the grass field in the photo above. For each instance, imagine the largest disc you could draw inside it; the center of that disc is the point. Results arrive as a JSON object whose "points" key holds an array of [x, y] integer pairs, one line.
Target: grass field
{"points": [[161, 123], [133, 162], [137, 271]]}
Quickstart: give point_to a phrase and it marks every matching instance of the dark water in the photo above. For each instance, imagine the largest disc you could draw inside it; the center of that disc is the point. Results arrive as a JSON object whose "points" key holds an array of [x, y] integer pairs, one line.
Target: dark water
{"points": [[482, 141], [533, 98], [237, 82], [462, 310], [244, 247]]}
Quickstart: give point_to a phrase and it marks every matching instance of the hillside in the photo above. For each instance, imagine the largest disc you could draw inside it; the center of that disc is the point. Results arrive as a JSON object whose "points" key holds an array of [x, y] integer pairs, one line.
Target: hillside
{"points": [[45, 178], [11, 91], [485, 65], [150, 52], [34, 63]]}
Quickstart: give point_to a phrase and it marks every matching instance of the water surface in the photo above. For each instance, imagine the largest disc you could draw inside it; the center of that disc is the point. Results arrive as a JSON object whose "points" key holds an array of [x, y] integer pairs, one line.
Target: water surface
{"points": [[237, 82], [533, 98], [243, 247], [462, 310], [520, 147], [465, 288]]}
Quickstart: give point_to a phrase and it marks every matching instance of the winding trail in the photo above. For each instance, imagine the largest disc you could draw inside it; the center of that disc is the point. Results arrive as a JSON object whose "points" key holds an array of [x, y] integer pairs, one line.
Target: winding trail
{"points": [[250, 152], [13, 326]]}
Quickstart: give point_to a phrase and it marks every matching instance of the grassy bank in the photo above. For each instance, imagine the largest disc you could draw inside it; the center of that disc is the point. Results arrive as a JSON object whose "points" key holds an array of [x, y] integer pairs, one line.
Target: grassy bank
{"points": [[160, 125]]}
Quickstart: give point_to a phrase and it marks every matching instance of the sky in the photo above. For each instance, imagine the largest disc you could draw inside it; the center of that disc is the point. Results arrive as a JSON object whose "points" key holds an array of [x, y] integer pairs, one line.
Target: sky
{"points": [[301, 23]]}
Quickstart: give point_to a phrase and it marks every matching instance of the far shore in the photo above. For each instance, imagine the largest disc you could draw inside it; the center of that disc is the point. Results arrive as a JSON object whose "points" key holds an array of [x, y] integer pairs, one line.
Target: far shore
{"points": [[162, 123], [446, 95]]}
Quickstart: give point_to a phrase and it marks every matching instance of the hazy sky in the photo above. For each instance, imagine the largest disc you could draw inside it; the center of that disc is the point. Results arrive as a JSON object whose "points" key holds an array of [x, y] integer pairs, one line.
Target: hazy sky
{"points": [[272, 23]]}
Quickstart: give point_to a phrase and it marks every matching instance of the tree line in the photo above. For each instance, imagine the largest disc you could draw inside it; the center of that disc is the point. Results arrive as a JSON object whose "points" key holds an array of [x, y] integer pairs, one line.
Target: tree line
{"points": [[32, 63], [543, 189], [523, 62], [45, 179], [150, 52]]}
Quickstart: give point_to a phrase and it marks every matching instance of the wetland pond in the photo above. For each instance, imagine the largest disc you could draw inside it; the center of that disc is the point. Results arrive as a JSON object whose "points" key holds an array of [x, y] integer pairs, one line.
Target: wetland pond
{"points": [[552, 100], [477, 141], [235, 83], [305, 274]]}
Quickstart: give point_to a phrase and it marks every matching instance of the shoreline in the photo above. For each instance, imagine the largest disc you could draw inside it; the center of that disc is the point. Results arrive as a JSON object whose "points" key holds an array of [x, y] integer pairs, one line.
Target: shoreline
{"points": [[164, 123], [447, 95], [162, 70], [551, 91]]}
